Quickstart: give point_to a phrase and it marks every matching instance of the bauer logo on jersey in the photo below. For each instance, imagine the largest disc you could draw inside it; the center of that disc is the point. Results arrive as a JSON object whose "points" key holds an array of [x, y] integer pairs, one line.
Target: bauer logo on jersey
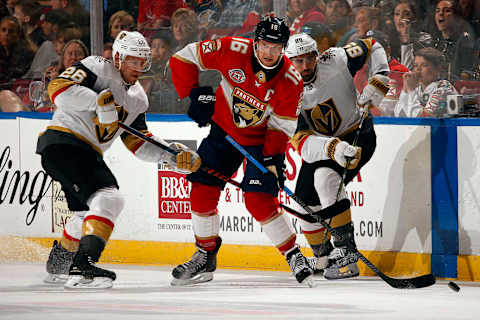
{"points": [[326, 117], [237, 75], [209, 46], [247, 109]]}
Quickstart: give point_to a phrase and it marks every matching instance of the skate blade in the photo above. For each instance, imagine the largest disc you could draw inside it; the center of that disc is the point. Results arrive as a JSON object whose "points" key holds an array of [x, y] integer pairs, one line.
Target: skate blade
{"points": [[79, 282], [309, 281], [341, 276], [199, 278], [56, 278]]}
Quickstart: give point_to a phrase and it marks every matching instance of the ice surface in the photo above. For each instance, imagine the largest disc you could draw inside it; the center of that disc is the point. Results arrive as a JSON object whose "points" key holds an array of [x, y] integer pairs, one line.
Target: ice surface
{"points": [[143, 292]]}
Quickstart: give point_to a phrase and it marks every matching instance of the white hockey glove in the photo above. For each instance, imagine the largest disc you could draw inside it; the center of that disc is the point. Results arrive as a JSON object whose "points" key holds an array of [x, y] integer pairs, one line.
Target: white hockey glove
{"points": [[375, 90], [106, 108], [186, 161], [341, 151]]}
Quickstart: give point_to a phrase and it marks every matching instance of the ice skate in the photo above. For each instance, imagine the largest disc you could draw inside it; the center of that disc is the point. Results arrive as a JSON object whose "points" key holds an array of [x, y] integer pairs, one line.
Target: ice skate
{"points": [[334, 273], [300, 266], [58, 264], [84, 274], [344, 254], [198, 269]]}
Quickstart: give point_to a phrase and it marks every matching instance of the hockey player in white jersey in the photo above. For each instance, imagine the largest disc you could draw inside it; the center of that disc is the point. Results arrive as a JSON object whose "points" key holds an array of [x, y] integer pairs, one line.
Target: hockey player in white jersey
{"points": [[327, 126], [92, 97]]}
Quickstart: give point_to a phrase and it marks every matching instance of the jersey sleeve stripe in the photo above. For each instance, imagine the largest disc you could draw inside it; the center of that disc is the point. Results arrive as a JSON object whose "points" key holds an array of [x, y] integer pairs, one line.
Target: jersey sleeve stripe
{"points": [[132, 142], [57, 86]]}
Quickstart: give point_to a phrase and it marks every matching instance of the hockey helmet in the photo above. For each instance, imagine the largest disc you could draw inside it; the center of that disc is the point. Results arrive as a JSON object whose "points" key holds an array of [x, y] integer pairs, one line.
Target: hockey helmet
{"points": [[272, 29], [299, 44], [132, 43]]}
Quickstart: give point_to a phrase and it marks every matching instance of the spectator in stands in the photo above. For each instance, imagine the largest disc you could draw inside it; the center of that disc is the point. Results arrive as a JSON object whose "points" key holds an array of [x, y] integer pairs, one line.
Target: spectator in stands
{"points": [[366, 19], [469, 10], [339, 15], [303, 11], [184, 28], [162, 96], [28, 13], [425, 90], [454, 38], [254, 16], [11, 6], [107, 51], [16, 53], [48, 54], [156, 14], [78, 13], [397, 70], [321, 33], [120, 20], [234, 13], [74, 51], [405, 35], [208, 13]]}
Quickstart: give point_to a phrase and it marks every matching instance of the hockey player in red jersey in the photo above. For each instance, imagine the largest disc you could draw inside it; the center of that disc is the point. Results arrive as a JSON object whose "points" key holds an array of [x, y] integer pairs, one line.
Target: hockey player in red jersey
{"points": [[92, 96], [328, 124], [257, 103]]}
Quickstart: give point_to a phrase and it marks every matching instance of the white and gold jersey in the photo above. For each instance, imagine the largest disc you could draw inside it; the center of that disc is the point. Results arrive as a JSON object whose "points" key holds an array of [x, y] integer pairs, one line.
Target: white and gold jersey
{"points": [[329, 101], [74, 92]]}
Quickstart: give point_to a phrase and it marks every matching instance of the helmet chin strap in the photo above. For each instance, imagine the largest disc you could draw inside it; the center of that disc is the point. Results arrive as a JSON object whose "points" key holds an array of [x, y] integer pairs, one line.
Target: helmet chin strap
{"points": [[260, 62], [119, 70]]}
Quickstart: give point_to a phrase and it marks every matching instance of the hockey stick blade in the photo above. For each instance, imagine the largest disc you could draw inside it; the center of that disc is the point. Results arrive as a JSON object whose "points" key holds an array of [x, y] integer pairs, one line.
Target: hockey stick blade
{"points": [[422, 281], [140, 135], [407, 283]]}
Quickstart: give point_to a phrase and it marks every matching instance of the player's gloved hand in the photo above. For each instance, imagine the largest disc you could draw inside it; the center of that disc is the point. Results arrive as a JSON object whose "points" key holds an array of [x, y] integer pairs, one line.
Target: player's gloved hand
{"points": [[185, 161], [202, 105], [276, 165], [106, 108], [341, 151], [374, 91]]}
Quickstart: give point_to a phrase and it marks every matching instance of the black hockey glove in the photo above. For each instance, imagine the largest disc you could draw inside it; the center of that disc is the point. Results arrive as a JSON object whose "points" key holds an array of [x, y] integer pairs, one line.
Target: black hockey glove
{"points": [[276, 164], [202, 106]]}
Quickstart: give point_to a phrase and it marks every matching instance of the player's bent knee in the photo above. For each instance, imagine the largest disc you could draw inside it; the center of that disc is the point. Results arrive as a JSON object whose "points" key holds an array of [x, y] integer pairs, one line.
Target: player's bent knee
{"points": [[326, 182], [262, 206], [204, 198], [106, 203]]}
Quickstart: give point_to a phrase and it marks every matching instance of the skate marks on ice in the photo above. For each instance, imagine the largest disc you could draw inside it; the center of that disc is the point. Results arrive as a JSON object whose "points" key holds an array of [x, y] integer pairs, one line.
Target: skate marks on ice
{"points": [[145, 293]]}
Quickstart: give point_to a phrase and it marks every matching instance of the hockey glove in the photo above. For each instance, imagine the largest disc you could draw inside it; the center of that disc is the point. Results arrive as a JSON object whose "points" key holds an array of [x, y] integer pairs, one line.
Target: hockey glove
{"points": [[276, 165], [341, 151], [106, 108], [202, 105], [185, 161], [375, 90]]}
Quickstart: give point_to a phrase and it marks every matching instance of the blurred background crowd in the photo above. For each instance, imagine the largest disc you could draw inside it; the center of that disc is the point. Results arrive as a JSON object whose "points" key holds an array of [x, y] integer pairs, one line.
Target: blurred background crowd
{"points": [[433, 45]]}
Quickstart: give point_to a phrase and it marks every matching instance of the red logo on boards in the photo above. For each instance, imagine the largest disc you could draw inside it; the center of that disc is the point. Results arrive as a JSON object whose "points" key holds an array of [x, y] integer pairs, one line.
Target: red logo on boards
{"points": [[173, 195]]}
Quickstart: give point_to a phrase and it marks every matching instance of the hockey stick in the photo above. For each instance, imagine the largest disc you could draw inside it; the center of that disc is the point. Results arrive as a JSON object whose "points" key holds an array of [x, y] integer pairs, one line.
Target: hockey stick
{"points": [[140, 135], [354, 144], [408, 283]]}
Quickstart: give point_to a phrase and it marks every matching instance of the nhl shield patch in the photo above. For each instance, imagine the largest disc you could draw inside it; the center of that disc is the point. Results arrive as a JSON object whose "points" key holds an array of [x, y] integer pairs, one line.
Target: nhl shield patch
{"points": [[237, 75]]}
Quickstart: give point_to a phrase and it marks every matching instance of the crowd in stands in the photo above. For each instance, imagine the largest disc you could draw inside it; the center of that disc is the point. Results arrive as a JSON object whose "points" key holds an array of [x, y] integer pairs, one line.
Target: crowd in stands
{"points": [[433, 46]]}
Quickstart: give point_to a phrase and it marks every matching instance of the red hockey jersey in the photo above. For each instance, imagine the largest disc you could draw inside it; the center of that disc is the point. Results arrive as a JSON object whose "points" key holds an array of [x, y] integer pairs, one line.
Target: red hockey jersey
{"points": [[249, 107]]}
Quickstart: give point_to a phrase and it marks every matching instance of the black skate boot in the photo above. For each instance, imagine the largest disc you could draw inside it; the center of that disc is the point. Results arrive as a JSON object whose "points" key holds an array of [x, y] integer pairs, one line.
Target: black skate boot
{"points": [[84, 274], [342, 261], [58, 264], [300, 266], [198, 269]]}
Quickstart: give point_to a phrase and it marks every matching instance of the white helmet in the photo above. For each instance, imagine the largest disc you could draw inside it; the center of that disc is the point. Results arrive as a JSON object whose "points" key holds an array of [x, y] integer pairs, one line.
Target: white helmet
{"points": [[132, 43], [300, 43]]}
